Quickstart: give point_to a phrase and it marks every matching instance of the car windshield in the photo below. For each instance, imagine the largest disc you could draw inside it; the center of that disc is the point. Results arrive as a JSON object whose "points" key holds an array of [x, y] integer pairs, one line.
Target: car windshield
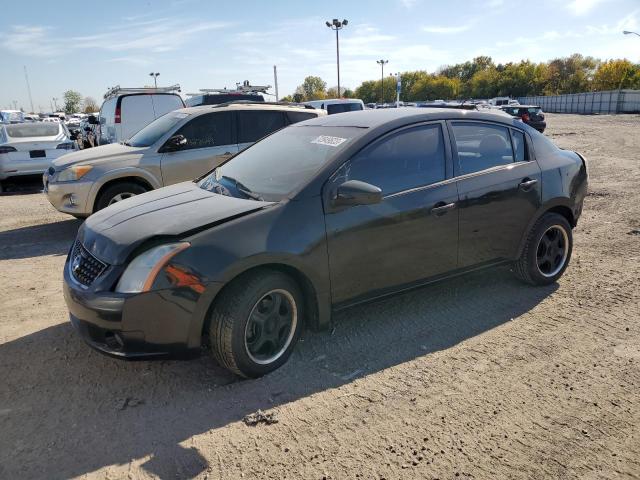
{"points": [[26, 130], [281, 163], [156, 129]]}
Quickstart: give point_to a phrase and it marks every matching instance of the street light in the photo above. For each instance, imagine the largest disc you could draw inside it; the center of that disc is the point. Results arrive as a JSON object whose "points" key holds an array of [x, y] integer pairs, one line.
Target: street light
{"points": [[155, 78], [337, 25], [382, 63], [55, 103], [627, 32]]}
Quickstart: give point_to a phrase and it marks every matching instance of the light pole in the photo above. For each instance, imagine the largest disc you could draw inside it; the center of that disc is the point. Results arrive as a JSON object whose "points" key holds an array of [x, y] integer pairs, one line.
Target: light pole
{"points": [[627, 32], [337, 25], [55, 103], [382, 63], [155, 78]]}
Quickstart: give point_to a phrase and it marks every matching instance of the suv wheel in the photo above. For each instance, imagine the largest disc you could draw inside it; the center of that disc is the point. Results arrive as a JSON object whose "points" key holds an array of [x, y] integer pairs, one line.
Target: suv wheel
{"points": [[256, 323], [118, 192], [547, 252]]}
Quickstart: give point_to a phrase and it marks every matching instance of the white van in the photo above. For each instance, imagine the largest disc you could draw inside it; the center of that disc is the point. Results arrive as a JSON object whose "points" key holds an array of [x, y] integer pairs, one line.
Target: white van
{"points": [[337, 105], [499, 101], [126, 111]]}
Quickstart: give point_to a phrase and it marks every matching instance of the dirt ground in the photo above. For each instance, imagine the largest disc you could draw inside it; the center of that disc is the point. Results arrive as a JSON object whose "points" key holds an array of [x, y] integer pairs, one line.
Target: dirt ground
{"points": [[479, 377]]}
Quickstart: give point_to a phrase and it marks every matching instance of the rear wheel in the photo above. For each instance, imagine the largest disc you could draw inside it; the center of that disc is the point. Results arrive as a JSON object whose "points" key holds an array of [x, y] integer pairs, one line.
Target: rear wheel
{"points": [[547, 251], [118, 192], [256, 323]]}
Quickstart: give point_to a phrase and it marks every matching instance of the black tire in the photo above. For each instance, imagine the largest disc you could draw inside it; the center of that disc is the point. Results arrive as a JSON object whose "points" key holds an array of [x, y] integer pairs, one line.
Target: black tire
{"points": [[109, 195], [229, 333], [537, 269]]}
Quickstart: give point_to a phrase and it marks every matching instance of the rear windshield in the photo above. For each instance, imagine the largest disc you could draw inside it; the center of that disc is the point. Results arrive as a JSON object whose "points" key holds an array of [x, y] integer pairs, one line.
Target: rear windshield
{"points": [[284, 161], [343, 107], [156, 129], [25, 130], [216, 99]]}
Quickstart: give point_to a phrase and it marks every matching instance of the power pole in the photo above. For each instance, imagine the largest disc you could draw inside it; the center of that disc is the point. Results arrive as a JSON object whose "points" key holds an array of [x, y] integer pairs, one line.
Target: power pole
{"points": [[275, 80], [26, 77], [382, 63]]}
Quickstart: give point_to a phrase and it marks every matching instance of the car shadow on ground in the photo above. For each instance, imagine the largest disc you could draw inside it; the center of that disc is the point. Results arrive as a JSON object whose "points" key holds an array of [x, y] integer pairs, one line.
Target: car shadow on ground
{"points": [[66, 410], [38, 240]]}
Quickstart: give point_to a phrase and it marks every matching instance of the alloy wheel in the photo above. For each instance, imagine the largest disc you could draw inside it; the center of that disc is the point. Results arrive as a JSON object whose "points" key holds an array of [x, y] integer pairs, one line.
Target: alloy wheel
{"points": [[271, 326], [120, 197], [552, 251]]}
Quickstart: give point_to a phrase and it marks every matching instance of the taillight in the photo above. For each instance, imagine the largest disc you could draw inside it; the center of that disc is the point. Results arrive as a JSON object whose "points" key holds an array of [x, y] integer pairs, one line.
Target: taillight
{"points": [[65, 146], [525, 117], [117, 120], [7, 149]]}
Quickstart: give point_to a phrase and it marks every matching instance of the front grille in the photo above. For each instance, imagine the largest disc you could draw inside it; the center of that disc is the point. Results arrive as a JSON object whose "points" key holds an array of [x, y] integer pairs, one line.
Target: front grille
{"points": [[84, 267]]}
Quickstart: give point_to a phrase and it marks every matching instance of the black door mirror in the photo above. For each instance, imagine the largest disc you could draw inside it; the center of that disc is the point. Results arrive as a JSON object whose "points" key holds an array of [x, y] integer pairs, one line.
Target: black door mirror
{"points": [[92, 120], [355, 192], [174, 143]]}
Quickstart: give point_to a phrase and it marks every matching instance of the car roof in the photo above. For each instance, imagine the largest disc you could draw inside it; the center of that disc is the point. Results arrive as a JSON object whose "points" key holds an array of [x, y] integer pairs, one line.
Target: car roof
{"points": [[378, 117], [248, 106], [520, 105]]}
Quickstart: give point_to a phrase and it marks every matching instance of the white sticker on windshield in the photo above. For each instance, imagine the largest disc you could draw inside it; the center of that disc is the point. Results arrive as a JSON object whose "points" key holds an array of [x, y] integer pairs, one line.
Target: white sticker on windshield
{"points": [[328, 140]]}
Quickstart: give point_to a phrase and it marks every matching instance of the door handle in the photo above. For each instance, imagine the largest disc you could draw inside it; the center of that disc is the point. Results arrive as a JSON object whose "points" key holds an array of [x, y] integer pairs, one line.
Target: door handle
{"points": [[441, 208], [526, 184]]}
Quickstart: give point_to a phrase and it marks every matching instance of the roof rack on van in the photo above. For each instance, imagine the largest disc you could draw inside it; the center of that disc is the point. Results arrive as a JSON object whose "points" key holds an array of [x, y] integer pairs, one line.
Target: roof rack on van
{"points": [[245, 87], [251, 102], [118, 90]]}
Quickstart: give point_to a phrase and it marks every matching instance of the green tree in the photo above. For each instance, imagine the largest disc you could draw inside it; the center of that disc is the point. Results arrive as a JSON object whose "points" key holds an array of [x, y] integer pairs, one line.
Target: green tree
{"points": [[614, 74], [436, 87], [312, 88], [72, 101]]}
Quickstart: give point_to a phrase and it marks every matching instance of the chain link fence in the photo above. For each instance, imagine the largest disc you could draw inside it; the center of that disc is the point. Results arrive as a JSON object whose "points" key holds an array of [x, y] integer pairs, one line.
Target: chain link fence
{"points": [[612, 101]]}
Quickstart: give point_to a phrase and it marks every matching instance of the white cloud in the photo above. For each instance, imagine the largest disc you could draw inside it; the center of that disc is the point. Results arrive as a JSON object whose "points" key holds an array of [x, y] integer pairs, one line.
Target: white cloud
{"points": [[150, 36], [582, 7], [409, 4], [445, 30]]}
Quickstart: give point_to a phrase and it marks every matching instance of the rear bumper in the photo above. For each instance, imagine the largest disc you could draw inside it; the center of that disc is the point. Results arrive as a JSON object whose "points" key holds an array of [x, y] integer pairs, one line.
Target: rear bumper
{"points": [[539, 126], [150, 324]]}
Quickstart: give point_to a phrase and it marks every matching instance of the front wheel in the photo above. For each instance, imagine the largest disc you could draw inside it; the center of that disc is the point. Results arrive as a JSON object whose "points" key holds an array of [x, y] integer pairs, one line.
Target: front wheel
{"points": [[547, 251], [256, 323], [118, 192]]}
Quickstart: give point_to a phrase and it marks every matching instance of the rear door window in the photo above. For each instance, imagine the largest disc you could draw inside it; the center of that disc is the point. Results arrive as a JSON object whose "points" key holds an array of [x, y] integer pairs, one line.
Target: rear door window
{"points": [[209, 130], [166, 103], [519, 145], [136, 113], [481, 146], [253, 125], [343, 107], [411, 158]]}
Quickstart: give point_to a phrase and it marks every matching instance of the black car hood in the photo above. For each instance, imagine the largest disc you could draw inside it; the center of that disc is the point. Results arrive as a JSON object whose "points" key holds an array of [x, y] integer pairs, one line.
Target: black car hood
{"points": [[113, 233]]}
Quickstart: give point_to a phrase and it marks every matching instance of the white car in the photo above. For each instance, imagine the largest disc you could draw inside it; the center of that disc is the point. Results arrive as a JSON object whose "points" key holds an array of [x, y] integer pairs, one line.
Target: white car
{"points": [[29, 148]]}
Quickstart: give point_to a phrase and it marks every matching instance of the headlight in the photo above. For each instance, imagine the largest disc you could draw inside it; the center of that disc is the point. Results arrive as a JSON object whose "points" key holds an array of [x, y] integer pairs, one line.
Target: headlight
{"points": [[142, 271], [73, 173]]}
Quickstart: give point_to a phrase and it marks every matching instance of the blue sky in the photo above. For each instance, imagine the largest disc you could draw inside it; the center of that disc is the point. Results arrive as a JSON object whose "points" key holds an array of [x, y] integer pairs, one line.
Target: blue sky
{"points": [[207, 44]]}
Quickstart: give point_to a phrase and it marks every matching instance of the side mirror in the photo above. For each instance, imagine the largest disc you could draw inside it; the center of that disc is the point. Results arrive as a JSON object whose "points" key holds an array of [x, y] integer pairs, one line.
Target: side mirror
{"points": [[174, 143], [355, 192], [92, 120]]}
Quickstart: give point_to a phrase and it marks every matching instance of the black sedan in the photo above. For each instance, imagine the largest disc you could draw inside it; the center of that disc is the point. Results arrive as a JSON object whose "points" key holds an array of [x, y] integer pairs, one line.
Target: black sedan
{"points": [[316, 217], [530, 114]]}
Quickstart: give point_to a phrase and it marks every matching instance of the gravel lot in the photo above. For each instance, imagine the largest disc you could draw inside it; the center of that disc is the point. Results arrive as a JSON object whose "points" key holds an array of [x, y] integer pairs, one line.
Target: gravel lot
{"points": [[479, 377]]}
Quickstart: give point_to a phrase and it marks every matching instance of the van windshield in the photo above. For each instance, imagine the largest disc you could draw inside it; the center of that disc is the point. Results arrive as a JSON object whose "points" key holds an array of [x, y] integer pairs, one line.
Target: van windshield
{"points": [[280, 163], [156, 129]]}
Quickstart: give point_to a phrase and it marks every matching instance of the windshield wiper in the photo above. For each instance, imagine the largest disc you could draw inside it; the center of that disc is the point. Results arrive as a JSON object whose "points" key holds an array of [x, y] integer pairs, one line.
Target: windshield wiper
{"points": [[243, 188]]}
